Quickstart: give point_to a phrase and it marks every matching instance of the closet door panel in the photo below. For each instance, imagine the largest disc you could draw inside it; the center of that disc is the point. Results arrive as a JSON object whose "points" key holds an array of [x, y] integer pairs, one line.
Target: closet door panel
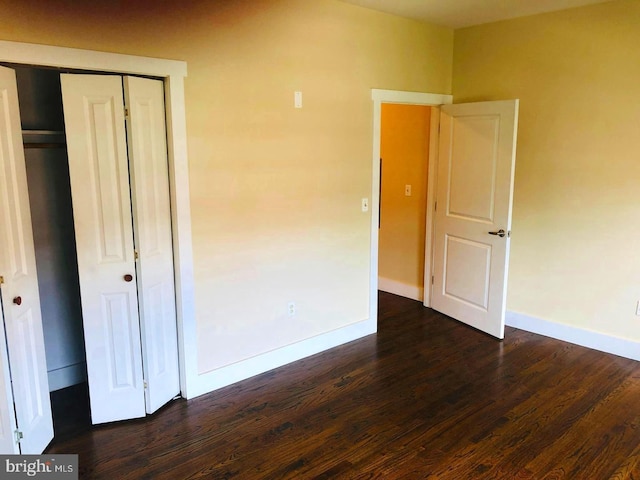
{"points": [[7, 413], [8, 424], [152, 224], [22, 327], [98, 168]]}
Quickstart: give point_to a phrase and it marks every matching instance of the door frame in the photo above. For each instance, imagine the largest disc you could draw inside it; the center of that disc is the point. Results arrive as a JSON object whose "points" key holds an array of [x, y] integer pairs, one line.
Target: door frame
{"points": [[406, 98], [172, 72]]}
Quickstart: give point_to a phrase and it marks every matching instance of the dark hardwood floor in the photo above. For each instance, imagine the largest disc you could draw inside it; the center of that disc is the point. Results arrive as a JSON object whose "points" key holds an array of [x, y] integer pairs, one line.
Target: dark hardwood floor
{"points": [[425, 398]]}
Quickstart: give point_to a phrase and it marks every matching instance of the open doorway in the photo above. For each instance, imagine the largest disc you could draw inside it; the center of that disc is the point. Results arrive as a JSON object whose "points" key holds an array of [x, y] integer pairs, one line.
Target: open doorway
{"points": [[394, 97], [404, 162]]}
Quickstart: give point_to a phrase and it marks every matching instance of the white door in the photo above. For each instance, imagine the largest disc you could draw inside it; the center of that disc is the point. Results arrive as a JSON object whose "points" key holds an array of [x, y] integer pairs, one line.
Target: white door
{"points": [[152, 225], [26, 360], [8, 424], [476, 164], [98, 168]]}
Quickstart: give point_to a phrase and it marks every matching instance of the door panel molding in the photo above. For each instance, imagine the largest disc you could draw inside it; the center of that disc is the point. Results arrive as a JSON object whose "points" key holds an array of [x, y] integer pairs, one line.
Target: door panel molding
{"points": [[477, 204], [465, 256]]}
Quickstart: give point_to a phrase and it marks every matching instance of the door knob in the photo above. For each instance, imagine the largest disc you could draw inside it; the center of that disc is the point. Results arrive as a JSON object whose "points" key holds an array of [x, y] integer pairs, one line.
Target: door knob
{"points": [[500, 233], [17, 300], [128, 277]]}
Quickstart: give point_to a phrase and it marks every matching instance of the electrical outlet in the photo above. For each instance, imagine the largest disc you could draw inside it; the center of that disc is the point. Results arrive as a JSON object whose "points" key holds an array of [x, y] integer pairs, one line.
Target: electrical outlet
{"points": [[297, 99], [365, 204], [407, 190], [291, 308]]}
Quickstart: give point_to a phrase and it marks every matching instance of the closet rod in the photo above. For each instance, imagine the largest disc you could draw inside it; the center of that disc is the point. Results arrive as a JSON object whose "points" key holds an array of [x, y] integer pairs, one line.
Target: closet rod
{"points": [[44, 145], [42, 132], [43, 139]]}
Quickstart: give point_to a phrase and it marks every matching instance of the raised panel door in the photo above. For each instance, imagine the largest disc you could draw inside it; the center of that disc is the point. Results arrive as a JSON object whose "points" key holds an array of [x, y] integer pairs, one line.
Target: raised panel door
{"points": [[23, 376], [476, 164], [152, 225], [99, 173]]}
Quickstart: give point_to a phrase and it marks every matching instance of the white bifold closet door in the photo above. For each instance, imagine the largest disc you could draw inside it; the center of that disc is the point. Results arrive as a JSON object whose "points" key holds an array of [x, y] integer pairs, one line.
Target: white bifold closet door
{"points": [[26, 424], [123, 237], [149, 173]]}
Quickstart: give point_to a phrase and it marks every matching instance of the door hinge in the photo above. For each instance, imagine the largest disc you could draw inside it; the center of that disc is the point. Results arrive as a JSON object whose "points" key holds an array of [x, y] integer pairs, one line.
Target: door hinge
{"points": [[431, 279], [136, 256], [146, 384], [1, 279], [126, 111], [19, 436], [435, 207]]}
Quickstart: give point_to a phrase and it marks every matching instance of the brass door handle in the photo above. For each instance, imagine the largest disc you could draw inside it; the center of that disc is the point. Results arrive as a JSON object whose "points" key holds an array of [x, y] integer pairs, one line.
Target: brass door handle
{"points": [[17, 300], [500, 233]]}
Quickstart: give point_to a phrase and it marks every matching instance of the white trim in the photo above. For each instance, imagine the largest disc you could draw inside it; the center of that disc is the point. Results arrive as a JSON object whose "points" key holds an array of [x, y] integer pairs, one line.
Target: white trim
{"points": [[434, 140], [63, 57], [173, 73], [580, 336], [402, 289], [375, 212], [268, 361], [66, 376], [182, 246], [409, 98]]}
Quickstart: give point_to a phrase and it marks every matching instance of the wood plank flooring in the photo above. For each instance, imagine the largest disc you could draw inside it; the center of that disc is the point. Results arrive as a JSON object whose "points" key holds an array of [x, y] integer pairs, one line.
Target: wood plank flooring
{"points": [[425, 398]]}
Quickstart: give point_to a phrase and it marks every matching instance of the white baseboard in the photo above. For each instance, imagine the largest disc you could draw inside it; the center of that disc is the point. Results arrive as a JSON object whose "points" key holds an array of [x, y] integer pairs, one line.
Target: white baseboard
{"points": [[210, 381], [586, 338], [66, 376], [401, 289]]}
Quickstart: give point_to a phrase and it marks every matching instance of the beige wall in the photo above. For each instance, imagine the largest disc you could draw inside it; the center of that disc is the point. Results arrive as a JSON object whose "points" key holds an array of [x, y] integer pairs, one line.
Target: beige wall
{"points": [[275, 192], [576, 221], [404, 148]]}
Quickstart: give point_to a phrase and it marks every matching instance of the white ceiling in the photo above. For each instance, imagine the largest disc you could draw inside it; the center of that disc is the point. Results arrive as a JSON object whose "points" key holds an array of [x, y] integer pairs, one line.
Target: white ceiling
{"points": [[464, 13]]}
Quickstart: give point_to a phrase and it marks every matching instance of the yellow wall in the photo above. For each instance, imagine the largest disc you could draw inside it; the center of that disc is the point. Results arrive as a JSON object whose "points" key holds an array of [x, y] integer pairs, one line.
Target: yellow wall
{"points": [[275, 192], [404, 148], [576, 221]]}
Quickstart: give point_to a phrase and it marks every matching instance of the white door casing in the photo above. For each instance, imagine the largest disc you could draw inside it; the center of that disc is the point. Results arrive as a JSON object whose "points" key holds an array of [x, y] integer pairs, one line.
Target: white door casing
{"points": [[20, 297], [98, 169], [152, 226], [476, 164]]}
